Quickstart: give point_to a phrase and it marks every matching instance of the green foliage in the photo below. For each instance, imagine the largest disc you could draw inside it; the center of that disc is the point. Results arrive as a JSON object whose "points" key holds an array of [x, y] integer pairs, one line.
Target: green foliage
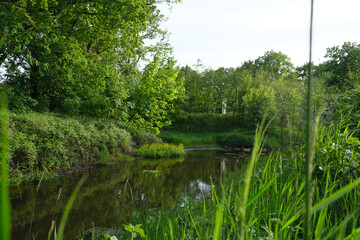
{"points": [[141, 136], [48, 143], [267, 86], [107, 237], [153, 95], [343, 64], [204, 123], [135, 230], [83, 58], [191, 139], [160, 150], [258, 102], [276, 64], [237, 139]]}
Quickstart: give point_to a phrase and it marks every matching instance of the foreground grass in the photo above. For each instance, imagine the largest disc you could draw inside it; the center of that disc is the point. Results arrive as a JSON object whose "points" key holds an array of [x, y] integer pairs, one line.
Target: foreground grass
{"points": [[5, 228]]}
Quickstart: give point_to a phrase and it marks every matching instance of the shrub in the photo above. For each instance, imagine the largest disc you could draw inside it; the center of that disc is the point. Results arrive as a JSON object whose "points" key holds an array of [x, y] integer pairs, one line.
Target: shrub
{"points": [[47, 142], [141, 136]]}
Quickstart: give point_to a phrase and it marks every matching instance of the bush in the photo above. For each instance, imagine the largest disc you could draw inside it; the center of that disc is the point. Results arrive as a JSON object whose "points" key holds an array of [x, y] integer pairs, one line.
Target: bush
{"points": [[141, 137]]}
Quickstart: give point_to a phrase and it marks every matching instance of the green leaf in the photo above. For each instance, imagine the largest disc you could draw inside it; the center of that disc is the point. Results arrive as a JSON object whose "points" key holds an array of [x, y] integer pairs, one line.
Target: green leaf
{"points": [[129, 227], [139, 231]]}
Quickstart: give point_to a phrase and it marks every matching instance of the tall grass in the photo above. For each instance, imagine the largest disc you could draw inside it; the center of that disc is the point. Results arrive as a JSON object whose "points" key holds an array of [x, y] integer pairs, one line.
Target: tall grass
{"points": [[309, 137], [5, 227]]}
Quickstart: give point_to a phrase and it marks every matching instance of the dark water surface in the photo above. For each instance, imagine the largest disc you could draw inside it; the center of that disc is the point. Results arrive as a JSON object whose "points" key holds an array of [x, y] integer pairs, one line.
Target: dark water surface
{"points": [[111, 193]]}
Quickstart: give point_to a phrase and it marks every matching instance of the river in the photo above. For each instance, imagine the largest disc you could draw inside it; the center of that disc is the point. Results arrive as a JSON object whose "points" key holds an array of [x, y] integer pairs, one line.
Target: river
{"points": [[111, 193]]}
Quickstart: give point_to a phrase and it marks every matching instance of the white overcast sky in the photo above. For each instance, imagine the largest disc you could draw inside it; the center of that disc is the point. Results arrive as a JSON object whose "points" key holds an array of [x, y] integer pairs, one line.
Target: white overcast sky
{"points": [[225, 33]]}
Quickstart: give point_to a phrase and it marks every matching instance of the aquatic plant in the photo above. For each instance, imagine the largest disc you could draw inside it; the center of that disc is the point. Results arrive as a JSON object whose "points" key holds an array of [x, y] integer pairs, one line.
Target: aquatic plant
{"points": [[160, 150]]}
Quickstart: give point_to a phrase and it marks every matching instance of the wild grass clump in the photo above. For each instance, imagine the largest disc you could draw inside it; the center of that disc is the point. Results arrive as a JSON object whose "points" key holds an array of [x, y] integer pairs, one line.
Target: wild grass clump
{"points": [[160, 150]]}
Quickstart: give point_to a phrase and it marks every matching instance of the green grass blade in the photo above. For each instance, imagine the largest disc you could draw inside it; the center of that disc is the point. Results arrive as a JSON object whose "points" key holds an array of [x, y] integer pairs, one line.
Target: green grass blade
{"points": [[5, 223], [218, 221], [354, 235], [320, 224], [68, 207], [258, 193], [333, 197]]}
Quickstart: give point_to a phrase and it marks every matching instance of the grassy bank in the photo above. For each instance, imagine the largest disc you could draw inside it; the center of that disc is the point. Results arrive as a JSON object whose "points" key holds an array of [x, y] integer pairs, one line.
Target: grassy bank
{"points": [[215, 130], [49, 143]]}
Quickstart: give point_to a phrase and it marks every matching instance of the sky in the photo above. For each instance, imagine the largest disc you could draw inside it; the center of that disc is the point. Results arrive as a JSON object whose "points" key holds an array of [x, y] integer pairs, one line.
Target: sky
{"points": [[225, 33]]}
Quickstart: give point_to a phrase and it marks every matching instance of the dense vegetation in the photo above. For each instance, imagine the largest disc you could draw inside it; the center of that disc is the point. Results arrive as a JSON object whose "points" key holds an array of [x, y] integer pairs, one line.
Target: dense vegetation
{"points": [[88, 81]]}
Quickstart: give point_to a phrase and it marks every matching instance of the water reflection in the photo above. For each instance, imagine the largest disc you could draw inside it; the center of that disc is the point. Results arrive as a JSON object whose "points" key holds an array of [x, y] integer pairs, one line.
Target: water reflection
{"points": [[111, 193]]}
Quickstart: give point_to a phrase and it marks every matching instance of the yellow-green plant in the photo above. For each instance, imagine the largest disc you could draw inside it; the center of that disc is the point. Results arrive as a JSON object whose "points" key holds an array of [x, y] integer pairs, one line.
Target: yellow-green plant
{"points": [[160, 150]]}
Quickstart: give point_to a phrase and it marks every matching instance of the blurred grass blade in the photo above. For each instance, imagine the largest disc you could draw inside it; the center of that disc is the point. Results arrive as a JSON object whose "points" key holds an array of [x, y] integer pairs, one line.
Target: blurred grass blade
{"points": [[68, 207], [310, 137], [320, 223], [218, 221], [340, 227], [354, 235], [333, 197], [5, 226], [258, 193]]}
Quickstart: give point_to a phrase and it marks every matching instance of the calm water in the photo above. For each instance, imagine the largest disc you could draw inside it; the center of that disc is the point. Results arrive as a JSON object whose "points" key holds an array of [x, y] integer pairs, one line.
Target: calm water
{"points": [[111, 193]]}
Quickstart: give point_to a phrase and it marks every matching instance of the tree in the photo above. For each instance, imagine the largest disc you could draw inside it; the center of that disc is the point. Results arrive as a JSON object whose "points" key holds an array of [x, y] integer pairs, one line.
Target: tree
{"points": [[153, 97], [343, 63], [276, 64], [83, 52]]}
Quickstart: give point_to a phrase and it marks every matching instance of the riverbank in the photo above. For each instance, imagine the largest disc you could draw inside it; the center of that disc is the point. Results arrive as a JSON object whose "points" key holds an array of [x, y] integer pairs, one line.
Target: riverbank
{"points": [[44, 145], [47, 144]]}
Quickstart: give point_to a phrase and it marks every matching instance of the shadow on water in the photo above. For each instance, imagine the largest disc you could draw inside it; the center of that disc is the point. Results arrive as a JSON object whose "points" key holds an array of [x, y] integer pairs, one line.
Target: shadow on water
{"points": [[111, 193]]}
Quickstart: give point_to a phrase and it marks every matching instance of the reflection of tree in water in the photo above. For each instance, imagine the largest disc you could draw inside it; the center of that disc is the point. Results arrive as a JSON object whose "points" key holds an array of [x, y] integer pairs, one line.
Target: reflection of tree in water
{"points": [[111, 193]]}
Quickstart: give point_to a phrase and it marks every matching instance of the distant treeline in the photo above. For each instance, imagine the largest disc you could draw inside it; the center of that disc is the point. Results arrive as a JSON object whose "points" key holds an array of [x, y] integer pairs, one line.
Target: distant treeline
{"points": [[94, 59]]}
